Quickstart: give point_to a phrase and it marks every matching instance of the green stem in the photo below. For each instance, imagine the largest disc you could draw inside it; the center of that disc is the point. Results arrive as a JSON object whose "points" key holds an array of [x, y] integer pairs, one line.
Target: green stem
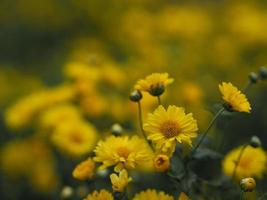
{"points": [[207, 130], [140, 119], [242, 195], [238, 160], [159, 101], [248, 85]]}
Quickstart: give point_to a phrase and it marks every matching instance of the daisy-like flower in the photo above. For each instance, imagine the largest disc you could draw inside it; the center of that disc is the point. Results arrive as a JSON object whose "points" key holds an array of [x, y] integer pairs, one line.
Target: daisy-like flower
{"points": [[120, 182], [101, 195], [85, 170], [166, 127], [235, 99], [252, 162], [123, 152], [154, 84], [152, 194], [183, 196]]}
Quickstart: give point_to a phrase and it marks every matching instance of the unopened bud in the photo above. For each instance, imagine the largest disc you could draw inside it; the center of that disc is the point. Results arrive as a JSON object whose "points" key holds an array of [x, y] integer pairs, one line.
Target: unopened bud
{"points": [[263, 73], [66, 192], [161, 163], [247, 184], [157, 90], [116, 129], [136, 96], [253, 77], [255, 142]]}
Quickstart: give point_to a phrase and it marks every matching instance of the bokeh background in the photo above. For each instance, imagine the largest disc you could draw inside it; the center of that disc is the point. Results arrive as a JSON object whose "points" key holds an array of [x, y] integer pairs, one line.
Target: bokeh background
{"points": [[82, 57]]}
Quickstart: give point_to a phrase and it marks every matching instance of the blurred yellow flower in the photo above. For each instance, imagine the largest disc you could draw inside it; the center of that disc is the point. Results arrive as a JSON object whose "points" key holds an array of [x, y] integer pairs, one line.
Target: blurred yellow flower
{"points": [[166, 127], [153, 195], [119, 183], [74, 139], [152, 82], [84, 170], [252, 163], [235, 98], [161, 162], [122, 152], [192, 93], [101, 195], [183, 196]]}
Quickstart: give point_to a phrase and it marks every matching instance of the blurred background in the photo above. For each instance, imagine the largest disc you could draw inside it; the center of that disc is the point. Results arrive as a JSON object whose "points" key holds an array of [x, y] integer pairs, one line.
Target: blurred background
{"points": [[77, 60]]}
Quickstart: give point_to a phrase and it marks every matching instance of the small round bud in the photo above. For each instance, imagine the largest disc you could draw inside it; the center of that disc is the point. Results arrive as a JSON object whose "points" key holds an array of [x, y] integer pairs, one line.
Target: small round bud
{"points": [[255, 142], [161, 163], [247, 184], [253, 77], [136, 96], [263, 73], [66, 192], [157, 90], [116, 129]]}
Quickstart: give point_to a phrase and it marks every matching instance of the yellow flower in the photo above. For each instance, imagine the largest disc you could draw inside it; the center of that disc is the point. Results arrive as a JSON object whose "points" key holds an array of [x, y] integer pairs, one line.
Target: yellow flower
{"points": [[166, 127], [252, 163], [74, 139], [122, 152], [248, 184], [236, 99], [101, 195], [153, 195], [161, 163], [119, 183], [154, 83], [183, 196], [85, 170]]}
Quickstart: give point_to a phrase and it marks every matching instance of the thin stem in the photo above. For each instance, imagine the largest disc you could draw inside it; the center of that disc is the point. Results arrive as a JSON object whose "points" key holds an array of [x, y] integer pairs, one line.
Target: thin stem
{"points": [[159, 101], [242, 195], [207, 130], [238, 160], [140, 119], [265, 194], [248, 85]]}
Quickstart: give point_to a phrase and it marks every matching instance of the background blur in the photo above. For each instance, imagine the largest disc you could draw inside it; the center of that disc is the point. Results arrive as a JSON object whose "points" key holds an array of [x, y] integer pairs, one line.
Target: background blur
{"points": [[98, 49]]}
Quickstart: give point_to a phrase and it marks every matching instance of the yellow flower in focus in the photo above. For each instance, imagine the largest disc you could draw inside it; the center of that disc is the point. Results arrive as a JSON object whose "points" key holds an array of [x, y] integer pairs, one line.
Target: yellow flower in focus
{"points": [[183, 196], [235, 98], [53, 116], [153, 83], [119, 183], [166, 127], [122, 152], [101, 195], [153, 195], [74, 139], [85, 170], [252, 163], [161, 163]]}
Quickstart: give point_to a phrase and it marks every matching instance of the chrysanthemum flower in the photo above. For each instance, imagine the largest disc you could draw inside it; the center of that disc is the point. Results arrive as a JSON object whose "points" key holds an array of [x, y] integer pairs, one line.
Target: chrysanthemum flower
{"points": [[122, 152], [152, 194], [119, 183], [84, 170], [252, 163], [166, 127], [74, 139], [235, 99], [102, 195], [154, 83]]}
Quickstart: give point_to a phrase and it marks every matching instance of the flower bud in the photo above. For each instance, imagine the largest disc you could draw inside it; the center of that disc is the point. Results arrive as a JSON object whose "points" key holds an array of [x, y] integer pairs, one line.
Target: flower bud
{"points": [[66, 192], [263, 73], [136, 96], [157, 90], [116, 129], [255, 141], [253, 77], [161, 163], [228, 107], [247, 184]]}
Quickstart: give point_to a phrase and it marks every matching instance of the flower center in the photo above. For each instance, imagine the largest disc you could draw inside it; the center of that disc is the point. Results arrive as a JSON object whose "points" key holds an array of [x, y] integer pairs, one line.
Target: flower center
{"points": [[170, 129], [76, 138], [123, 152]]}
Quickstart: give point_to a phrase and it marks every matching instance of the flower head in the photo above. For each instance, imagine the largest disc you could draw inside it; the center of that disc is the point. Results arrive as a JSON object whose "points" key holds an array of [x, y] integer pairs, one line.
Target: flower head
{"points": [[161, 162], [152, 194], [248, 184], [119, 183], [235, 99], [85, 170], [122, 152], [166, 127], [154, 84], [252, 162], [101, 195]]}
